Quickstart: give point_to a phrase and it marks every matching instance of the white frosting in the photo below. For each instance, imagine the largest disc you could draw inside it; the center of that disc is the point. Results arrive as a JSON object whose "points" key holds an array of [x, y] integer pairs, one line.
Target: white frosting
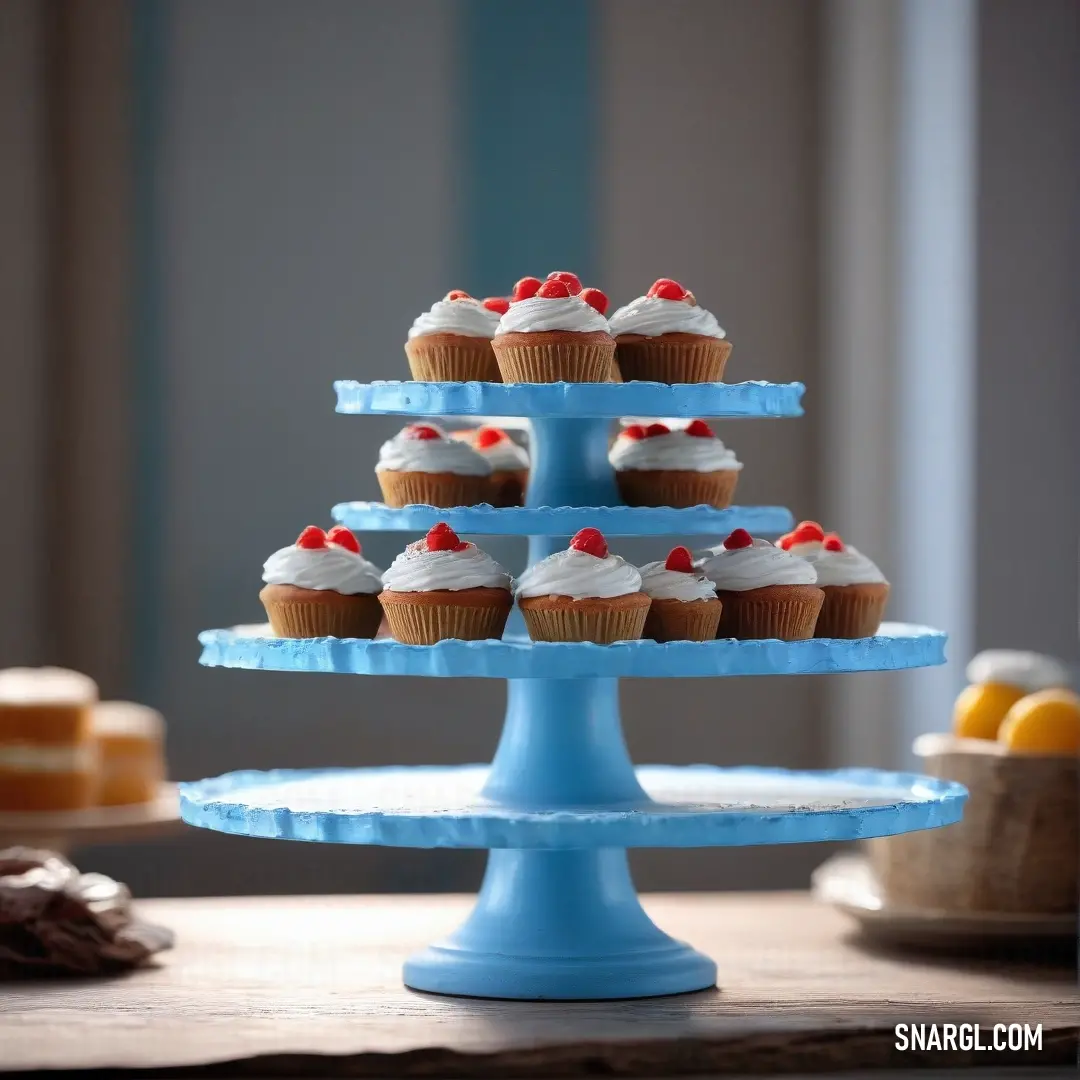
{"points": [[663, 584], [676, 450], [754, 567], [418, 570], [651, 316], [469, 318], [505, 456], [559, 313], [46, 686], [1029, 670], [332, 568], [847, 567], [405, 453], [126, 718], [579, 575], [45, 758]]}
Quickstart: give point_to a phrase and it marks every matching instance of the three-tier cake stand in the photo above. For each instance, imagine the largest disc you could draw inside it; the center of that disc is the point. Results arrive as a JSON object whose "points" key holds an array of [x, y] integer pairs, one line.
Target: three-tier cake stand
{"points": [[557, 916]]}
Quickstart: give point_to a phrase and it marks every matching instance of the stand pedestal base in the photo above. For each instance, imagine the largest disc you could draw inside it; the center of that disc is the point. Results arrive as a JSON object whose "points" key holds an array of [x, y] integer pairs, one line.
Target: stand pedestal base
{"points": [[559, 926]]}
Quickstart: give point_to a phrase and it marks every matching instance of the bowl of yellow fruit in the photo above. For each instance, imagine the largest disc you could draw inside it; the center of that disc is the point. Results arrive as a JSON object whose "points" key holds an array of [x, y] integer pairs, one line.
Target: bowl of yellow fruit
{"points": [[1015, 745]]}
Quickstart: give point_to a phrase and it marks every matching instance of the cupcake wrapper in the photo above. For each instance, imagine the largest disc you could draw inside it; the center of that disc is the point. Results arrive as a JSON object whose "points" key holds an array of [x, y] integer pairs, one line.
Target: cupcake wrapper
{"points": [[431, 489], [787, 612], [673, 358], [852, 611], [451, 358], [677, 487], [603, 621], [507, 488], [554, 357], [426, 618], [682, 620], [616, 371], [313, 613]]}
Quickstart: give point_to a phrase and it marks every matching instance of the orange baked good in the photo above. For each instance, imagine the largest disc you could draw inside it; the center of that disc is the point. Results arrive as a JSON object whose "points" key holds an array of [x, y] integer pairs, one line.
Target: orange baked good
{"points": [[130, 741], [47, 753]]}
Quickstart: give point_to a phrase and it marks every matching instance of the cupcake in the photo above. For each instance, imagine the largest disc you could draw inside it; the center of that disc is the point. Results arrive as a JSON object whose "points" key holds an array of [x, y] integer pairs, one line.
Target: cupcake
{"points": [[509, 464], [655, 466], [684, 604], [855, 589], [48, 759], [322, 586], [583, 594], [552, 333], [421, 464], [452, 341], [664, 336], [766, 592], [442, 587]]}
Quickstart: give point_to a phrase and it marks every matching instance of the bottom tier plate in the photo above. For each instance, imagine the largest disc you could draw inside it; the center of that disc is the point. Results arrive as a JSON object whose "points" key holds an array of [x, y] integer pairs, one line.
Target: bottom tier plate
{"points": [[690, 806]]}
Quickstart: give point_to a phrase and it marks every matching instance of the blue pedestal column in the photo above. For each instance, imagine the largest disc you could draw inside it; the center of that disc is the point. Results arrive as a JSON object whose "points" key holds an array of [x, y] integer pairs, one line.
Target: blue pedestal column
{"points": [[560, 925]]}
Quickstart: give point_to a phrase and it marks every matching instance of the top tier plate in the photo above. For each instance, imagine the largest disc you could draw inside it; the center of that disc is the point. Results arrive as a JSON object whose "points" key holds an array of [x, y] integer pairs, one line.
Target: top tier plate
{"points": [[571, 400]]}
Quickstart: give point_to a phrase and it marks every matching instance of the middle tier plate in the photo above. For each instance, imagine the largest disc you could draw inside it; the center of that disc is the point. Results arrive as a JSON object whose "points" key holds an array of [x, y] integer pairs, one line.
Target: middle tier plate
{"points": [[896, 646], [485, 520]]}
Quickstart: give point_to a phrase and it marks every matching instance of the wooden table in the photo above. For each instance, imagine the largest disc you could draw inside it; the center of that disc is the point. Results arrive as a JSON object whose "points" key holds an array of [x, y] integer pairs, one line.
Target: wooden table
{"points": [[312, 987]]}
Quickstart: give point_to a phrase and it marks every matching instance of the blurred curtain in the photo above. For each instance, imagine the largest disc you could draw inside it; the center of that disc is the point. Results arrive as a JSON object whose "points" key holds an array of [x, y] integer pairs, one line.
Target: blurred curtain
{"points": [[66, 420]]}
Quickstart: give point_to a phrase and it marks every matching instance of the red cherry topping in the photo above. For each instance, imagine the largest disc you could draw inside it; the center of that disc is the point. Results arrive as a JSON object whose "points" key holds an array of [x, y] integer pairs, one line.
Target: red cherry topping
{"points": [[679, 559], [571, 281], [442, 538], [807, 532], [525, 288], [488, 436], [634, 431], [422, 431], [699, 429], [833, 542], [499, 304], [591, 541], [553, 290], [657, 429], [740, 538], [312, 538], [343, 537], [458, 294], [786, 541], [670, 291], [661, 283], [595, 299]]}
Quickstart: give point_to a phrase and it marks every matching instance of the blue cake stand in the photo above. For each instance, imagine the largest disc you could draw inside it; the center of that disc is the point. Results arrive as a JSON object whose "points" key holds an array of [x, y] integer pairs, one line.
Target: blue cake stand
{"points": [[558, 917]]}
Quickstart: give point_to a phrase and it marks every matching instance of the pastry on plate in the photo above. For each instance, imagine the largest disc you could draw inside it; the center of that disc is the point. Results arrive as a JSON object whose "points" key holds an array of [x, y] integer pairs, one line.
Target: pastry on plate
{"points": [[451, 342], [47, 752], [688, 466], [583, 594], [443, 587], [664, 336], [855, 589], [423, 465], [765, 591], [322, 586], [684, 604], [130, 742], [554, 332]]}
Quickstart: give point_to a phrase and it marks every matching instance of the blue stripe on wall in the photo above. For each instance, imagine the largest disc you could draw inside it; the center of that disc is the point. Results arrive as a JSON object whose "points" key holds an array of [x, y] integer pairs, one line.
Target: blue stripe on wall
{"points": [[528, 98], [147, 81]]}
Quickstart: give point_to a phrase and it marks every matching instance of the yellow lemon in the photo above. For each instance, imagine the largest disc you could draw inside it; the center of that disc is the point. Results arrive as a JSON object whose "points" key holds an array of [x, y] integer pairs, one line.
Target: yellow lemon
{"points": [[1044, 723], [980, 709]]}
